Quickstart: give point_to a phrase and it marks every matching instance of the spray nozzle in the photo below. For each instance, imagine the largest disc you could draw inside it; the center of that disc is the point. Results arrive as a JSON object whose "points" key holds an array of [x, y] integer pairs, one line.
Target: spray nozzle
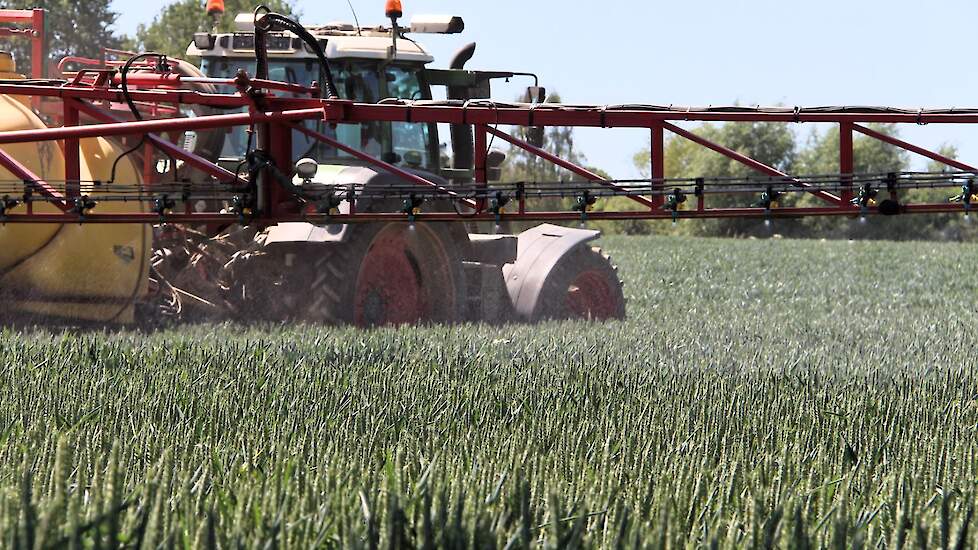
{"points": [[162, 64], [162, 205], [674, 201], [82, 205], [497, 205], [412, 207], [966, 197], [865, 199], [240, 207], [7, 203], [585, 201], [769, 199], [329, 204]]}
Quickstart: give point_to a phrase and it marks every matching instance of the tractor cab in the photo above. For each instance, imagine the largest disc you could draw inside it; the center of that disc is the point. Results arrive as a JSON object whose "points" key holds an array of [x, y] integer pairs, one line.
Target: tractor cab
{"points": [[369, 65], [391, 272]]}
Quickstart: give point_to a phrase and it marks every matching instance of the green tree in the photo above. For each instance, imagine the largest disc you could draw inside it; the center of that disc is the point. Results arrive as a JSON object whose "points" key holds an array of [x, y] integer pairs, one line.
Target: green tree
{"points": [[74, 27], [770, 143], [522, 166], [173, 28], [774, 144], [933, 226], [820, 156]]}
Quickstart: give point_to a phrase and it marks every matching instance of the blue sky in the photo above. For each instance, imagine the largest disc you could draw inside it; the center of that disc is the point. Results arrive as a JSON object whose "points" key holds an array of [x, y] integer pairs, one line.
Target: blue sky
{"points": [[902, 53]]}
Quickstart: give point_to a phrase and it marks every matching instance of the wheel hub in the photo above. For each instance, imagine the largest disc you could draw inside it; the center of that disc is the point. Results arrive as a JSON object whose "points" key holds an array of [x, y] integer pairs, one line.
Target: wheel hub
{"points": [[589, 296], [388, 290]]}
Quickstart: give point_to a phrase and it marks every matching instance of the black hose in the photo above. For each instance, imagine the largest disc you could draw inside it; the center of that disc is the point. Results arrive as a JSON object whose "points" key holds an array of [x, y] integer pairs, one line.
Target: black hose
{"points": [[273, 21], [124, 73]]}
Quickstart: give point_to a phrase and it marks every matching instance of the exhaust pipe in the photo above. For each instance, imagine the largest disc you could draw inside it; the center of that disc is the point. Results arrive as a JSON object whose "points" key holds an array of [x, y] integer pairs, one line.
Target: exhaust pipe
{"points": [[462, 140]]}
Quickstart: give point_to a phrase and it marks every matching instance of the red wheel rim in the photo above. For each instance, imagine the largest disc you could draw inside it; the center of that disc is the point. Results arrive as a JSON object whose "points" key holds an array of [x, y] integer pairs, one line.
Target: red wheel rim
{"points": [[590, 297], [388, 289]]}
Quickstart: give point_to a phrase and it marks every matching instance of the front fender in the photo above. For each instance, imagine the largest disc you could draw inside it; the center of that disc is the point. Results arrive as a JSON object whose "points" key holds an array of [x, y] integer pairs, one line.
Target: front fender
{"points": [[538, 252]]}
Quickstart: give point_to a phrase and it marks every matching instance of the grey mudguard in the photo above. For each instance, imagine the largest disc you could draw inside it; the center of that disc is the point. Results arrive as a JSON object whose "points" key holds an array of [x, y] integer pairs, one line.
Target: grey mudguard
{"points": [[303, 232], [539, 251]]}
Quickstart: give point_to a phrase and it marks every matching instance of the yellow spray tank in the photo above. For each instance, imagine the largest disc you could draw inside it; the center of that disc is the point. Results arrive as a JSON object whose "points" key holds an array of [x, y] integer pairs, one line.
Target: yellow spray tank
{"points": [[90, 272], [8, 71]]}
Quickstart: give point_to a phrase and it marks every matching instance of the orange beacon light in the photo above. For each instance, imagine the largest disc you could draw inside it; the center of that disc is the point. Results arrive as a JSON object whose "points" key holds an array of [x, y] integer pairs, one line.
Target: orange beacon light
{"points": [[215, 7], [393, 9]]}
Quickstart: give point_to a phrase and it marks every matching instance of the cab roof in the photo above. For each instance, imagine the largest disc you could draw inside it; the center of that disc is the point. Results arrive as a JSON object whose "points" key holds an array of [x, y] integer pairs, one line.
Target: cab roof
{"points": [[338, 43]]}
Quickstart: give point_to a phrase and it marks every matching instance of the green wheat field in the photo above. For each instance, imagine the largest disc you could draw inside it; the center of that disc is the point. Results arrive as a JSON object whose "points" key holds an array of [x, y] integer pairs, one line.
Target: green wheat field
{"points": [[762, 393]]}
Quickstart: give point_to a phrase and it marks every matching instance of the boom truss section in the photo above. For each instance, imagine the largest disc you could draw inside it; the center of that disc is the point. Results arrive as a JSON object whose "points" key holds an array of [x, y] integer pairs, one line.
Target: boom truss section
{"points": [[264, 191]]}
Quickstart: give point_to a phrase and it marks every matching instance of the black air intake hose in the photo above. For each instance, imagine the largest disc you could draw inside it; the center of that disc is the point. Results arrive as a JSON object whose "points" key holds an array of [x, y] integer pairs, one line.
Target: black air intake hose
{"points": [[270, 22]]}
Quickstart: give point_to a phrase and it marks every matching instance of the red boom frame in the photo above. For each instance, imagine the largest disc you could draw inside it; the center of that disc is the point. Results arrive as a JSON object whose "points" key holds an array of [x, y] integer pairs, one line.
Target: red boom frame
{"points": [[86, 112]]}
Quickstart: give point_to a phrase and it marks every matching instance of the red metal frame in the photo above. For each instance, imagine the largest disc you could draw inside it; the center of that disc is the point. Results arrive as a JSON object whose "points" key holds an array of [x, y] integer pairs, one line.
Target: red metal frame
{"points": [[658, 155], [30, 24], [85, 111]]}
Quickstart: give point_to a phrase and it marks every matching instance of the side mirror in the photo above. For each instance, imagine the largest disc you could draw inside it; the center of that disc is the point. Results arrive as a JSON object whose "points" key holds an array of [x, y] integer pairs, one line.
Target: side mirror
{"points": [[536, 94], [494, 165], [535, 136], [204, 41]]}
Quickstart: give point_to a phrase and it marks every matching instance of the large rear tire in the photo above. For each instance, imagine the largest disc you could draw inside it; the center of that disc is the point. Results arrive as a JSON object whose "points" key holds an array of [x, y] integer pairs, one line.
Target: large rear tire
{"points": [[583, 285], [388, 274]]}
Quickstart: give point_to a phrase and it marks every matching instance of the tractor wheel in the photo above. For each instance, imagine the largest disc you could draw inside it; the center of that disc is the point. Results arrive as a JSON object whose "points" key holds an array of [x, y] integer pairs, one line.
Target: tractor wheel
{"points": [[583, 285], [388, 274]]}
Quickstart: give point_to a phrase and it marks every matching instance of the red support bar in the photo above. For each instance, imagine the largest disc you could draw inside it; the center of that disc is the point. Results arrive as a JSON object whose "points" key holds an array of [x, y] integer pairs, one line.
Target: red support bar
{"points": [[39, 49], [658, 168], [580, 171], [155, 126], [480, 156], [217, 218], [747, 161], [414, 178], [174, 80], [188, 97], [17, 16], [72, 153], [171, 149], [481, 153], [24, 173], [280, 150], [914, 149], [344, 111], [846, 161], [35, 30], [149, 168]]}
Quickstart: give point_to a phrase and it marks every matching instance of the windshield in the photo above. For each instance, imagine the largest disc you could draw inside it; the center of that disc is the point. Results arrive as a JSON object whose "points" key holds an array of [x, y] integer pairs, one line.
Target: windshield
{"points": [[364, 81]]}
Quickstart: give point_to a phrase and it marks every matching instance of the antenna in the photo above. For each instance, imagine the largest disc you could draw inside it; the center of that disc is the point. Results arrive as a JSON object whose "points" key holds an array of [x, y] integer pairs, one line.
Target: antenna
{"points": [[355, 20]]}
